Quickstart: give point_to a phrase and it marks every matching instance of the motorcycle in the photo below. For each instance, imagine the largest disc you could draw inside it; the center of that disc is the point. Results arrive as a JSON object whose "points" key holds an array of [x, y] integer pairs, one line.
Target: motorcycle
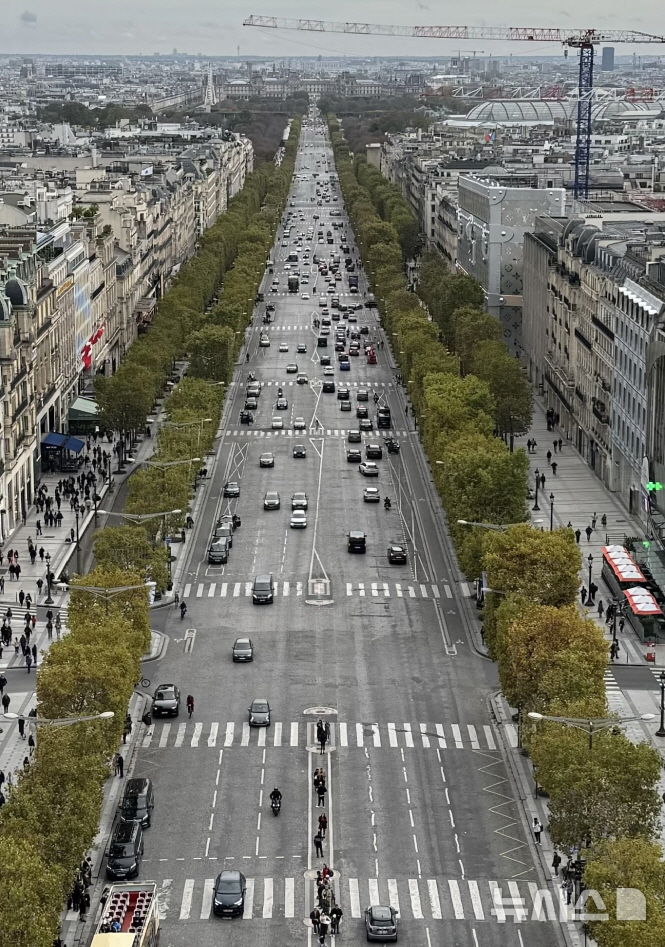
{"points": [[386, 504], [275, 805], [392, 447]]}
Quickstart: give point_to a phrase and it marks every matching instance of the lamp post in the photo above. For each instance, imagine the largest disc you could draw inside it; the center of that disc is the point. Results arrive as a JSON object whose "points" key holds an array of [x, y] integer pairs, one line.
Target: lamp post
{"points": [[590, 726], [107, 594], [49, 600], [497, 527], [660, 732], [590, 561], [535, 507], [58, 721], [77, 510], [551, 512], [185, 424]]}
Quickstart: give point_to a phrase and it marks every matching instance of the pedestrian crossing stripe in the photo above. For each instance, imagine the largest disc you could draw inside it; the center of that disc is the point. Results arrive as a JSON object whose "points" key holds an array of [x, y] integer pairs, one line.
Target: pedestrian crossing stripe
{"points": [[347, 383], [449, 736], [415, 899], [251, 431], [287, 589], [305, 325]]}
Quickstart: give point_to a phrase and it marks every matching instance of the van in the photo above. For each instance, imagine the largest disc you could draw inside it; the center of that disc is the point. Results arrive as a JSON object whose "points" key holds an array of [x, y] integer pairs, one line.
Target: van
{"points": [[123, 858], [218, 551], [322, 342], [138, 801], [356, 541], [263, 590]]}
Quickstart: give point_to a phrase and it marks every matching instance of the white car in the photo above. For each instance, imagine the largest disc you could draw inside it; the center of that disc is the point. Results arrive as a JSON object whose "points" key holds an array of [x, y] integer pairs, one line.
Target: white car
{"points": [[283, 347], [278, 424], [368, 469], [298, 519], [328, 371], [298, 424], [304, 295]]}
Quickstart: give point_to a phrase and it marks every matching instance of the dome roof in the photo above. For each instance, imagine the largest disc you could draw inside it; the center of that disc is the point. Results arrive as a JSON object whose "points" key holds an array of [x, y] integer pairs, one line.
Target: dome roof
{"points": [[17, 292], [514, 111]]}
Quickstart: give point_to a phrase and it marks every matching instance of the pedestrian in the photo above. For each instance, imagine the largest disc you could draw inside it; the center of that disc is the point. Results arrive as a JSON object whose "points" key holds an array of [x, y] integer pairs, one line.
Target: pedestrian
{"points": [[528, 446], [72, 534], [588, 531], [321, 793], [318, 844], [314, 916], [583, 594], [40, 585], [569, 887], [542, 481], [5, 702], [549, 456], [12, 572], [324, 924], [335, 918], [28, 601], [17, 571], [28, 661], [317, 778], [533, 446], [41, 553], [38, 524], [21, 727], [31, 744], [537, 829], [119, 765], [323, 824], [622, 622], [554, 467], [34, 654], [554, 445], [556, 861], [3, 683], [601, 608], [593, 520], [614, 650], [84, 905]]}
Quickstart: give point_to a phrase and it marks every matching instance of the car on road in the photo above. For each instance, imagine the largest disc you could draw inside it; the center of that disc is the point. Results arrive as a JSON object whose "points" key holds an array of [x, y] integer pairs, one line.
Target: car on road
{"points": [[362, 394], [263, 589], [371, 495], [366, 424], [301, 348], [356, 541], [343, 394], [368, 468], [345, 366], [299, 424], [166, 701], [354, 455], [362, 411], [354, 437], [251, 404], [231, 488], [397, 554], [264, 342], [283, 347], [259, 712], [218, 551], [329, 386], [282, 404], [271, 500], [299, 451], [324, 361], [292, 369], [381, 923], [243, 650], [223, 530], [125, 850], [267, 460], [277, 423], [374, 452], [328, 372], [304, 296], [228, 897], [298, 519], [299, 501], [246, 417], [302, 379], [345, 406]]}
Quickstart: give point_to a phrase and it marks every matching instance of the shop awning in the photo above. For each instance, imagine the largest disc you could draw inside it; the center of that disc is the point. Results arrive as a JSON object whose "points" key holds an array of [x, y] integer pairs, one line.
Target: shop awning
{"points": [[642, 602], [74, 444], [622, 564], [54, 440], [83, 409]]}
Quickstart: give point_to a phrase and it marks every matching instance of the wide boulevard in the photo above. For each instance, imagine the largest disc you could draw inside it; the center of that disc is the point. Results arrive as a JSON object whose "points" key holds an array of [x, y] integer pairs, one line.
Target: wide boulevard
{"points": [[422, 814]]}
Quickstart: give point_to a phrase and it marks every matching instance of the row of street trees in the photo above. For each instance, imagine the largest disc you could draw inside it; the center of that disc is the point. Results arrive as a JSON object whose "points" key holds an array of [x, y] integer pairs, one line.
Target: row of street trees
{"points": [[52, 815], [471, 399]]}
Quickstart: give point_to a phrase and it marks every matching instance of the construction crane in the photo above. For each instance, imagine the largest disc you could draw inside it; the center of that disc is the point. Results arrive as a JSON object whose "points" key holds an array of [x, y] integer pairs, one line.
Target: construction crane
{"points": [[584, 40]]}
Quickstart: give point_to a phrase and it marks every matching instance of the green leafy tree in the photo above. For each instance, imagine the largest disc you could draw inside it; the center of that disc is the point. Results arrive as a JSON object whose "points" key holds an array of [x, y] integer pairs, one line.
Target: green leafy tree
{"points": [[27, 879], [212, 352], [509, 387], [135, 549], [541, 567], [472, 326]]}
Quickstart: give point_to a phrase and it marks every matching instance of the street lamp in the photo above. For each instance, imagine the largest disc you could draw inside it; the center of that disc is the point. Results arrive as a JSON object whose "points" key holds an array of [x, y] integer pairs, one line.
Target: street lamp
{"points": [[535, 506], [49, 600], [184, 424], [551, 512], [77, 510], [590, 726], [58, 721], [590, 561], [107, 594], [660, 732], [142, 517], [497, 527]]}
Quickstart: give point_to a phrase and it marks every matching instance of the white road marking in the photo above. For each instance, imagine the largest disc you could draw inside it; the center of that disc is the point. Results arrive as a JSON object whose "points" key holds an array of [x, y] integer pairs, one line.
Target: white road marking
{"points": [[206, 902], [164, 735], [187, 590], [224, 589], [511, 733], [294, 734], [236, 589], [476, 901], [377, 734], [349, 588], [343, 734], [441, 735], [211, 590], [412, 593], [373, 884], [473, 736], [361, 589], [262, 737], [423, 735], [489, 736], [212, 736], [408, 736], [423, 590], [199, 590], [285, 588], [393, 896], [244, 739], [456, 898], [180, 735], [398, 589], [416, 909], [354, 897], [434, 899], [228, 737], [360, 736], [457, 735], [196, 736], [435, 591], [186, 904], [277, 738], [267, 897], [392, 735], [249, 899], [289, 897]]}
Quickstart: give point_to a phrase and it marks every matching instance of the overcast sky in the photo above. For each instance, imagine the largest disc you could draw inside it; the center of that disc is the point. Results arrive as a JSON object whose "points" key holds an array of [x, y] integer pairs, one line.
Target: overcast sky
{"points": [[214, 27]]}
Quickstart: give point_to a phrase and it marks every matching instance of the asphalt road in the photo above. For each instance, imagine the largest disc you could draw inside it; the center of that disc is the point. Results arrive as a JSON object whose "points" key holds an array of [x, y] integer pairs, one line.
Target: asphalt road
{"points": [[421, 810]]}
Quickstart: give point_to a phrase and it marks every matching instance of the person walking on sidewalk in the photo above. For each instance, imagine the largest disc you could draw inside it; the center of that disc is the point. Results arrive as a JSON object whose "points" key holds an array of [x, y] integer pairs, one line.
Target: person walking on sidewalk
{"points": [[38, 524], [588, 531], [6, 700], [578, 533], [17, 571], [3, 683], [28, 661], [318, 844], [323, 824], [321, 793], [614, 650], [537, 829], [601, 608], [554, 467], [583, 594], [21, 727], [549, 456], [335, 918], [21, 598], [119, 764], [593, 520], [542, 481], [603, 521], [556, 861]]}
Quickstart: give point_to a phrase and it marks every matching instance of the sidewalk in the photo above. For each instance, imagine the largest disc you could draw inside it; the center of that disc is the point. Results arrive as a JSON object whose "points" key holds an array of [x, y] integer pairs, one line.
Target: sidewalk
{"points": [[63, 552]]}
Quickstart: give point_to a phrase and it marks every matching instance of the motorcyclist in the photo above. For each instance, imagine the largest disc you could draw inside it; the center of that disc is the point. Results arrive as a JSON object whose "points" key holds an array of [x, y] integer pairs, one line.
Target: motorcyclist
{"points": [[279, 392], [190, 704], [183, 610], [275, 796], [386, 503]]}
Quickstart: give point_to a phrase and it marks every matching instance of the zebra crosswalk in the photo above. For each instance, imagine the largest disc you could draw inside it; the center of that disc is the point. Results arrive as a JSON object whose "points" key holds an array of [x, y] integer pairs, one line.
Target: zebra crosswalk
{"points": [[286, 589], [288, 382], [343, 734], [415, 899], [312, 430]]}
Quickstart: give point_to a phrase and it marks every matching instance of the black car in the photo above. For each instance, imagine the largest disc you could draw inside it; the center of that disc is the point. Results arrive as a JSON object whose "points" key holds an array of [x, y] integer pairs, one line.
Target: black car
{"points": [[246, 417], [397, 554], [231, 488], [243, 650], [354, 437], [374, 452], [228, 899], [381, 923], [354, 455], [125, 850], [356, 541], [166, 701], [299, 451], [361, 411], [328, 385]]}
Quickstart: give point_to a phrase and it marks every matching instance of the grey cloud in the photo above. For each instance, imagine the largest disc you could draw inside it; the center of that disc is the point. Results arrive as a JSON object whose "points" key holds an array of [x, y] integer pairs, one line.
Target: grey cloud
{"points": [[28, 17]]}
